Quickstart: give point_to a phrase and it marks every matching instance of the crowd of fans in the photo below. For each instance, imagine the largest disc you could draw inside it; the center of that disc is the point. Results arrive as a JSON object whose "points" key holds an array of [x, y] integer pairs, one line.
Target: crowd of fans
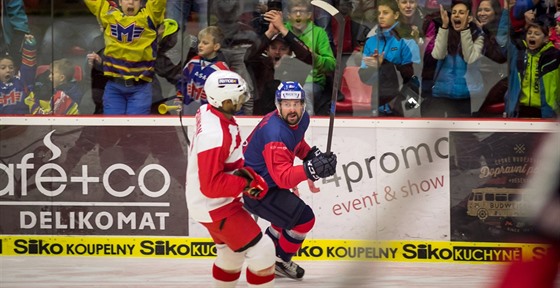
{"points": [[436, 58]]}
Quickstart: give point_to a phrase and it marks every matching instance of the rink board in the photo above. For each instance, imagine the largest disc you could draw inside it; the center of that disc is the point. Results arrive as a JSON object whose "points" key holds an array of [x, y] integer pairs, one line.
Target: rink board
{"points": [[399, 182]]}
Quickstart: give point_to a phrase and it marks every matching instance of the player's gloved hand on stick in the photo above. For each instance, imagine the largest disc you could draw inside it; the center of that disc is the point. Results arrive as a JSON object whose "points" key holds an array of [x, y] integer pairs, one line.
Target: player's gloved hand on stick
{"points": [[314, 152], [321, 166], [256, 185]]}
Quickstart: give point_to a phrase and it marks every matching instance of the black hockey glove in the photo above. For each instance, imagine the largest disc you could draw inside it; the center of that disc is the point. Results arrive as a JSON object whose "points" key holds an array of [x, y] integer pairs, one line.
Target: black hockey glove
{"points": [[321, 166], [314, 152]]}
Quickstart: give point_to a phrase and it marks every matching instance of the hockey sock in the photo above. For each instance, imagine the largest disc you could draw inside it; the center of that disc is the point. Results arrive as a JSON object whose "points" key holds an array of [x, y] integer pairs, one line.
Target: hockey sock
{"points": [[273, 234], [290, 241], [254, 280], [224, 279]]}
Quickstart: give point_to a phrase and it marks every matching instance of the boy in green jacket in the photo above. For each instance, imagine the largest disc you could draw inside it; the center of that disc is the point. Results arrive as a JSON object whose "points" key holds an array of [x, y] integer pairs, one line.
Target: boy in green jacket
{"points": [[300, 22], [534, 76]]}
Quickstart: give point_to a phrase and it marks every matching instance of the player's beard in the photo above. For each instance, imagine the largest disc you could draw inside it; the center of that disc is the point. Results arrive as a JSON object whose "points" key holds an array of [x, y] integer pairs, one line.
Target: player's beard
{"points": [[292, 118], [230, 110]]}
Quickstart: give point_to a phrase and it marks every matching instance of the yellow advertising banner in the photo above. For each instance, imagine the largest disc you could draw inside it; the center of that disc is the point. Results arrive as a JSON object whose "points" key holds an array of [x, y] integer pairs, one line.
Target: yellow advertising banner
{"points": [[331, 250]]}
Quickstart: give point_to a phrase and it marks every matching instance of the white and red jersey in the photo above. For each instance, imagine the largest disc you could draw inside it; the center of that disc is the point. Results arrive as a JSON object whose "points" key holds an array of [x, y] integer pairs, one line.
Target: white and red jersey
{"points": [[216, 151]]}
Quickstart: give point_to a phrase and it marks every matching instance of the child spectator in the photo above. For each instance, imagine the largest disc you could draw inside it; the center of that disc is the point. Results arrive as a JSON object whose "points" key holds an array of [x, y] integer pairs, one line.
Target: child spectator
{"points": [[164, 67], [385, 53], [534, 75], [300, 23], [130, 33], [13, 90], [263, 58], [208, 60], [457, 78], [67, 92]]}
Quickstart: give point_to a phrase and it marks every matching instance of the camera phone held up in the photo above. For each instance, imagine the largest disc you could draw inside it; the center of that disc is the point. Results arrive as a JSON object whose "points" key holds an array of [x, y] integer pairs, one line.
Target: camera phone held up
{"points": [[272, 5]]}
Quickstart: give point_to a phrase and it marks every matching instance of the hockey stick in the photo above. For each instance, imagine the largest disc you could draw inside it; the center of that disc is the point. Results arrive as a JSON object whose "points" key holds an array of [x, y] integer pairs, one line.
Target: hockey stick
{"points": [[338, 69]]}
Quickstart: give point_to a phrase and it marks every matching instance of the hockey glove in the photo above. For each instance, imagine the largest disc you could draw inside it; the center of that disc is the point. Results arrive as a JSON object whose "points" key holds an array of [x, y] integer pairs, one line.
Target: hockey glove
{"points": [[321, 166], [256, 185], [314, 152]]}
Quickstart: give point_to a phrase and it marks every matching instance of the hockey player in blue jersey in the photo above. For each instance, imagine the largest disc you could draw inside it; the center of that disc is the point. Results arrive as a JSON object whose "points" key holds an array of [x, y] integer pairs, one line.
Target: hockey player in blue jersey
{"points": [[270, 150]]}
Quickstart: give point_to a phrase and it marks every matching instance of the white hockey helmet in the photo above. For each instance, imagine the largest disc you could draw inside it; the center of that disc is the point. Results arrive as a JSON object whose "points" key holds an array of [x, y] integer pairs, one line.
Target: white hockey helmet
{"points": [[225, 85]]}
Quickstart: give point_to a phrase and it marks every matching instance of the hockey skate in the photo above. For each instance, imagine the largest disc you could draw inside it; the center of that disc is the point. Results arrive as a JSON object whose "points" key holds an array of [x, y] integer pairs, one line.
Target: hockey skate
{"points": [[289, 269]]}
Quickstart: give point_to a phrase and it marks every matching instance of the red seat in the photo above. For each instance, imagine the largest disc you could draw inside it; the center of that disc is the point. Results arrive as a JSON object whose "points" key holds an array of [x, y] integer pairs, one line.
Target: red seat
{"points": [[357, 95], [495, 109], [494, 104]]}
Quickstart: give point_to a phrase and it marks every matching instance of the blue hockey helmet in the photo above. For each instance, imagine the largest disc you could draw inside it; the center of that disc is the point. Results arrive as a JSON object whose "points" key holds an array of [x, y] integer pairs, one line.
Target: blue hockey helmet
{"points": [[289, 90]]}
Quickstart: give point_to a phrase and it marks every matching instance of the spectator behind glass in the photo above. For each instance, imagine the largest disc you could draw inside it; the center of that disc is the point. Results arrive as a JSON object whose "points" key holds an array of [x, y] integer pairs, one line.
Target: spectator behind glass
{"points": [[238, 37], [168, 33], [385, 53], [457, 49], [430, 27], [67, 92], [256, 18], [164, 67], [493, 21], [209, 60], [129, 55], [14, 26], [491, 17], [411, 19], [267, 54], [300, 23], [14, 89], [534, 75], [355, 33]]}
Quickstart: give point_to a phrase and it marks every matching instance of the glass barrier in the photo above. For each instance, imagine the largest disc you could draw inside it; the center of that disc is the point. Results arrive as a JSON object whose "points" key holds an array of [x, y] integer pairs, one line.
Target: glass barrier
{"points": [[405, 58]]}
